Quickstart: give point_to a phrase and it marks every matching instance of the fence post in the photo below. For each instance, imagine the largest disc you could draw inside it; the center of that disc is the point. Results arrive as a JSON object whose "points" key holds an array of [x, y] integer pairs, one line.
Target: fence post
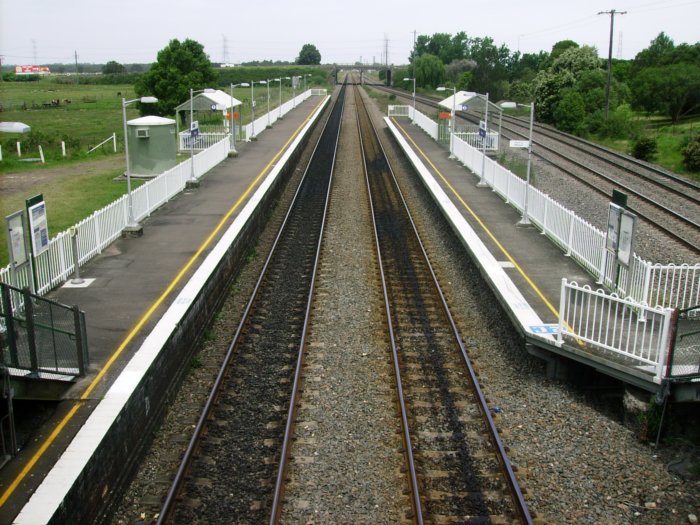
{"points": [[666, 344], [571, 235], [544, 216], [562, 302], [647, 283], [9, 324], [114, 141], [80, 348], [31, 336]]}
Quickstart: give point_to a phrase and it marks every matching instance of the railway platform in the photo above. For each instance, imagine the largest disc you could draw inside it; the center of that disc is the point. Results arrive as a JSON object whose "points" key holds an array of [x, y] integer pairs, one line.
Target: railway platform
{"points": [[129, 288], [524, 268]]}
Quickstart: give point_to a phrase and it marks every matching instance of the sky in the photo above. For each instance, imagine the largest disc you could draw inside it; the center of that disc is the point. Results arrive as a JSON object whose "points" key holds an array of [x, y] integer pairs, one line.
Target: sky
{"points": [[133, 31]]}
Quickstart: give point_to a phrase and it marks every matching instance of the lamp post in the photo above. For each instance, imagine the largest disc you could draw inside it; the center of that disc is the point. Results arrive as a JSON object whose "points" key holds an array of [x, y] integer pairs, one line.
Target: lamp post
{"points": [[525, 221], [194, 131], [414, 94], [452, 117], [130, 222], [232, 126], [252, 105], [306, 75], [482, 179], [268, 102]]}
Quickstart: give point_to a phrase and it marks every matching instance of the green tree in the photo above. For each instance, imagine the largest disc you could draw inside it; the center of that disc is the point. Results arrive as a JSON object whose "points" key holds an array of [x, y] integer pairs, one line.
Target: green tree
{"points": [[562, 46], [672, 90], [492, 64], [113, 68], [570, 111], [577, 59], [691, 154], [430, 71], [652, 55], [181, 66], [548, 88], [309, 55]]}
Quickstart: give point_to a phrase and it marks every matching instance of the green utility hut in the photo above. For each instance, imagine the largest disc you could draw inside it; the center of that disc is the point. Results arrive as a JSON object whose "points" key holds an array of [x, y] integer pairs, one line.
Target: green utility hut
{"points": [[152, 145]]}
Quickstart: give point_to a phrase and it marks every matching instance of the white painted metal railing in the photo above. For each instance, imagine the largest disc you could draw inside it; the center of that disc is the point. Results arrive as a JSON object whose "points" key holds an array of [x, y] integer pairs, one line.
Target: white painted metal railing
{"points": [[55, 265], [205, 139], [672, 286], [627, 328], [100, 229], [253, 129]]}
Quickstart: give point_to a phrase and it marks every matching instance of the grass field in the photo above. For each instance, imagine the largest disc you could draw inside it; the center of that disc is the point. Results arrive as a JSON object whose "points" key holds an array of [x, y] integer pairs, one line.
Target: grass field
{"points": [[75, 186], [93, 114]]}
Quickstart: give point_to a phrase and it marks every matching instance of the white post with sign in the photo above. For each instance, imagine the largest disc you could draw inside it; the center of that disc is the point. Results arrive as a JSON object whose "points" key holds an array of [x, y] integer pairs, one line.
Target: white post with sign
{"points": [[16, 243], [619, 241], [525, 221]]}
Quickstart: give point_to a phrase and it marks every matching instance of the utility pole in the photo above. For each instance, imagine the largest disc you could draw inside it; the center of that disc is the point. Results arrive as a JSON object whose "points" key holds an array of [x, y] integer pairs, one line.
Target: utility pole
{"points": [[77, 73], [612, 14], [413, 62]]}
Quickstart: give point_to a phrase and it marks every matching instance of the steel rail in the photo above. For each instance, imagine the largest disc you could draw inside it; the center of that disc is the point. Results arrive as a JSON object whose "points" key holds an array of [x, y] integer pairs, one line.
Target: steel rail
{"points": [[406, 434], [516, 493], [176, 486], [276, 510]]}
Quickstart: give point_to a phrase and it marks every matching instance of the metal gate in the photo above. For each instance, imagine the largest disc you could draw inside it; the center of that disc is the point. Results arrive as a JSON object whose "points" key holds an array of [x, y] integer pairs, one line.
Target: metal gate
{"points": [[38, 335], [684, 359]]}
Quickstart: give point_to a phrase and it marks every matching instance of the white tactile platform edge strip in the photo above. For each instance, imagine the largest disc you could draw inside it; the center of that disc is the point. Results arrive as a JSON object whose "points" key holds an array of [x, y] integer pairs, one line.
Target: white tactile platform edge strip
{"points": [[510, 294], [49, 495]]}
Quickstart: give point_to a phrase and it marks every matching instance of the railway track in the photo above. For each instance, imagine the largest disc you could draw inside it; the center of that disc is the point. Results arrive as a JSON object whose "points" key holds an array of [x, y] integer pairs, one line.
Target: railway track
{"points": [[457, 466], [229, 469], [666, 201], [237, 463]]}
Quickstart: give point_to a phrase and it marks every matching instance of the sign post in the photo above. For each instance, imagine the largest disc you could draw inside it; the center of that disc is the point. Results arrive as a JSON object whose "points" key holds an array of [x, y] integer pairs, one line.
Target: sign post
{"points": [[16, 243], [619, 240], [38, 232]]}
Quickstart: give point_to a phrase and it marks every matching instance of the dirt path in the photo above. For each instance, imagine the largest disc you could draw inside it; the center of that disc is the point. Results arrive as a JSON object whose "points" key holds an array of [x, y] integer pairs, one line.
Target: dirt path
{"points": [[21, 182]]}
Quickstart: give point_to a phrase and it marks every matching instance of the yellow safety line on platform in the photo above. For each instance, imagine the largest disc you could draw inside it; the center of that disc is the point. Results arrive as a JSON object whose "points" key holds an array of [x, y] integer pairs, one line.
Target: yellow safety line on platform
{"points": [[135, 330], [483, 226]]}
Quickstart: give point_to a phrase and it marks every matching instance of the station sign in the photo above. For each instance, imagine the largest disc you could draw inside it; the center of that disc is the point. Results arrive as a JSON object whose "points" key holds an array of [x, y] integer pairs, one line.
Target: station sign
{"points": [[519, 144], [16, 243], [38, 224]]}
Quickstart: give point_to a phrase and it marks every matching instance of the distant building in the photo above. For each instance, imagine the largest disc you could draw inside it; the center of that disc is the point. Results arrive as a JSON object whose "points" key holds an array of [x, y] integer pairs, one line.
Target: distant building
{"points": [[32, 70]]}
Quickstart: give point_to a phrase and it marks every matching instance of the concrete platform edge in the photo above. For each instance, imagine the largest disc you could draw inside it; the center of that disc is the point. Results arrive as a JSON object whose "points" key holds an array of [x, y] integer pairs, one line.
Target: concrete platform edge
{"points": [[77, 484], [513, 302]]}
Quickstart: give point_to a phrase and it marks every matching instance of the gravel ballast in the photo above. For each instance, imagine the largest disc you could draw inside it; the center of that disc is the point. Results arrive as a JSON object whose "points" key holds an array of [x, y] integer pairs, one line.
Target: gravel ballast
{"points": [[576, 459]]}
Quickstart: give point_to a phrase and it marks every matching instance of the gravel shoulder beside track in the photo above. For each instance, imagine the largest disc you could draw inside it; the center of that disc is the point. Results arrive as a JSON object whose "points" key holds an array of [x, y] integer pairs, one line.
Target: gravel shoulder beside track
{"points": [[576, 459], [347, 458], [578, 462]]}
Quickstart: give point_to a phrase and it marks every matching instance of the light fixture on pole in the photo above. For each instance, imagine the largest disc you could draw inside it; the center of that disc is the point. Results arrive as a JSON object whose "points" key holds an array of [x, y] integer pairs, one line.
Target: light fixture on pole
{"points": [[269, 125], [131, 224], [414, 95], [232, 126], [482, 179], [525, 221], [194, 132], [306, 75], [452, 117], [252, 105]]}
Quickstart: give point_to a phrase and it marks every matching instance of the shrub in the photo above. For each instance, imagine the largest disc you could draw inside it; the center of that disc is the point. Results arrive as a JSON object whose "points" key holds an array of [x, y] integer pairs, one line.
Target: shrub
{"points": [[644, 148], [691, 154]]}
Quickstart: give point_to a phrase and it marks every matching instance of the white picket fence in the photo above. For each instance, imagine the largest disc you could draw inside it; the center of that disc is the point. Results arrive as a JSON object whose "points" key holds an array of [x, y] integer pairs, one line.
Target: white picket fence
{"points": [[638, 333], [668, 286], [55, 265], [104, 226]]}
